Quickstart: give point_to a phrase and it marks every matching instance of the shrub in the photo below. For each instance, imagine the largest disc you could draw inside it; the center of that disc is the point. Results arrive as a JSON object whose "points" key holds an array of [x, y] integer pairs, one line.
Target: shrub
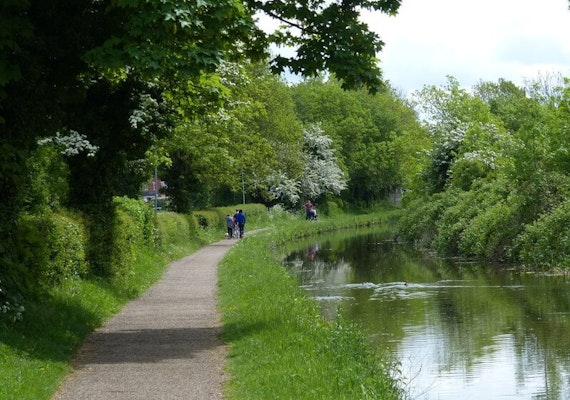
{"points": [[206, 219], [419, 222], [173, 230], [142, 213], [491, 233], [114, 237], [546, 242], [458, 218], [52, 247], [11, 303], [331, 208]]}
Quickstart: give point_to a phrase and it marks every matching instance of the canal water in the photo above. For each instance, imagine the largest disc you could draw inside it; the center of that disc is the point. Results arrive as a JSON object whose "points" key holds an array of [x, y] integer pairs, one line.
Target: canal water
{"points": [[458, 330]]}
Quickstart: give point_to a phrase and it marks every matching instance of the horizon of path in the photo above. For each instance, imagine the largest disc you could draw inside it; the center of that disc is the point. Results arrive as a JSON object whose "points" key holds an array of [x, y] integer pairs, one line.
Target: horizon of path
{"points": [[164, 345]]}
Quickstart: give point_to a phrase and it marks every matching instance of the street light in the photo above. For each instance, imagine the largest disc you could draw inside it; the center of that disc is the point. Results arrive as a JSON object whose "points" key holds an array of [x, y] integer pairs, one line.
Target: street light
{"points": [[243, 186], [155, 188]]}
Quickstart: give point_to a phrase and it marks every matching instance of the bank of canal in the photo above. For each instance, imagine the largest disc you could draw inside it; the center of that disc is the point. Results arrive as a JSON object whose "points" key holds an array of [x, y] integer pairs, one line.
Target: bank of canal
{"points": [[460, 330]]}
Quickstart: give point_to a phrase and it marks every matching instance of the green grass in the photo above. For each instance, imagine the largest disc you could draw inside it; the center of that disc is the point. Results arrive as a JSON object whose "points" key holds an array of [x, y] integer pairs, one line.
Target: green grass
{"points": [[35, 353], [277, 338], [280, 347]]}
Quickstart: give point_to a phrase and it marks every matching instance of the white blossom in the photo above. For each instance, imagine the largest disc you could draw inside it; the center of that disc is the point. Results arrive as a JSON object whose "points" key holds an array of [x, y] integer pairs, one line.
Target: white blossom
{"points": [[71, 143]]}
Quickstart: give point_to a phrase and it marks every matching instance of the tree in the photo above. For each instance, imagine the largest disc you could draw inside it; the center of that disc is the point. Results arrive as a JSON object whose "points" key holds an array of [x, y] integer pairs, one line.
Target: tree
{"points": [[329, 37], [468, 141], [321, 175], [88, 66], [363, 129], [252, 133]]}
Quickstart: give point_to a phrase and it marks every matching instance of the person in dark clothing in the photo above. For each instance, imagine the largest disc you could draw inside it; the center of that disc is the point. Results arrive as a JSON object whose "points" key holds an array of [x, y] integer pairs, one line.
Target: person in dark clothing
{"points": [[240, 219]]}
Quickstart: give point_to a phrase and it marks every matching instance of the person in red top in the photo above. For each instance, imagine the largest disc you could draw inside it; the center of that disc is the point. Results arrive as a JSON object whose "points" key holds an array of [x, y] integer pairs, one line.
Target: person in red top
{"points": [[308, 208]]}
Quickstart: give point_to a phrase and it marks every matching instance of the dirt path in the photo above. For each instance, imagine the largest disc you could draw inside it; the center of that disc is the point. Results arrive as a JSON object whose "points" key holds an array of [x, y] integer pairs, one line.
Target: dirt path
{"points": [[164, 345]]}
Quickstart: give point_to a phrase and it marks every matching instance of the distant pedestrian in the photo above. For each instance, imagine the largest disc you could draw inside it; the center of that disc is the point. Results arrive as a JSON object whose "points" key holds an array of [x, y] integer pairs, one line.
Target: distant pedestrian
{"points": [[308, 208], [230, 226], [313, 214], [240, 219]]}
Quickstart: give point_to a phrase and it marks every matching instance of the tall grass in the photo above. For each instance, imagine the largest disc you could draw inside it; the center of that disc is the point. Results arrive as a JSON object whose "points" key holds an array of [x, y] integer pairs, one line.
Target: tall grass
{"points": [[280, 346]]}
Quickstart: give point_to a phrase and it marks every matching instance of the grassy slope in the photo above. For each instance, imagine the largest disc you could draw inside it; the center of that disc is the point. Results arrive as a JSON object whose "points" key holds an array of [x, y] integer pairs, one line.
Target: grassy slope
{"points": [[280, 347], [35, 354]]}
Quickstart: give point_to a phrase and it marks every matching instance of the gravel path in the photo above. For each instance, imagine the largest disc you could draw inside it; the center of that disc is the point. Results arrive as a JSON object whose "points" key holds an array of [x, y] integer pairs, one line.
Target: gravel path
{"points": [[165, 345]]}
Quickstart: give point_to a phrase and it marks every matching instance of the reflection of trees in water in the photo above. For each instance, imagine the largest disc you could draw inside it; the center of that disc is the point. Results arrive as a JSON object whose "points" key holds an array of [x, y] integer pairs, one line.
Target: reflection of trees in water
{"points": [[475, 313]]}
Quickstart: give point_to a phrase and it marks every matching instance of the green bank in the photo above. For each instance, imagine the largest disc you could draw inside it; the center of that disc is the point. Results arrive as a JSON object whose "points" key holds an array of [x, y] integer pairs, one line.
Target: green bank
{"points": [[280, 347]]}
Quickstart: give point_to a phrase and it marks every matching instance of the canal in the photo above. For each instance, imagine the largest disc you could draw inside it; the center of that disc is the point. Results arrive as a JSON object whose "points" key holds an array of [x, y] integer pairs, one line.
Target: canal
{"points": [[458, 330]]}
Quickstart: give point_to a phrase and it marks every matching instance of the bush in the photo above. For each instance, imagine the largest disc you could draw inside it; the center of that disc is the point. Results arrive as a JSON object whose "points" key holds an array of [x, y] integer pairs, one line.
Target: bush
{"points": [[206, 219], [458, 218], [491, 233], [331, 209], [142, 213], [546, 242], [52, 247], [114, 237], [419, 222], [256, 213], [173, 230]]}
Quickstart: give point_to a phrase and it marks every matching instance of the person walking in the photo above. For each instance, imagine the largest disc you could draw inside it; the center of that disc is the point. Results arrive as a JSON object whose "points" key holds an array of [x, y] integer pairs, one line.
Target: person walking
{"points": [[230, 226], [240, 219], [308, 208]]}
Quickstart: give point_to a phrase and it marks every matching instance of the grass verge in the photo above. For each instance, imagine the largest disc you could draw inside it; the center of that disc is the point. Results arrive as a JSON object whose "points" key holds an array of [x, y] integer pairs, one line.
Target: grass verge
{"points": [[35, 353], [280, 347]]}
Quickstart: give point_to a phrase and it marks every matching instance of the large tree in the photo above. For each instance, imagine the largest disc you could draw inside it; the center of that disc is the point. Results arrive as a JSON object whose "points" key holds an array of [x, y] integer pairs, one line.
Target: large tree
{"points": [[363, 128], [89, 66]]}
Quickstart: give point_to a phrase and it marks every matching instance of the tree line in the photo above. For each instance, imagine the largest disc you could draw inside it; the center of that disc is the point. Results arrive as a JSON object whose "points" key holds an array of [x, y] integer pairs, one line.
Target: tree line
{"points": [[94, 94], [494, 182]]}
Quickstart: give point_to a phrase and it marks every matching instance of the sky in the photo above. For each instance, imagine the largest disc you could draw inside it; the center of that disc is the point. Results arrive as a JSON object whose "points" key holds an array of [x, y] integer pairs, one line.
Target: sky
{"points": [[473, 41]]}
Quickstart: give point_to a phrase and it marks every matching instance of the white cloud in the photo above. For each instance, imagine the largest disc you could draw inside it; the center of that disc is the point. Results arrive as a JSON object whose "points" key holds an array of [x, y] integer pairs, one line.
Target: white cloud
{"points": [[472, 41]]}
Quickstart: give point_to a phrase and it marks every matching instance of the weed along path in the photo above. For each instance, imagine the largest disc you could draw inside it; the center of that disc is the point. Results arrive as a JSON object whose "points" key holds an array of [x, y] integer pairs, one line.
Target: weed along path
{"points": [[164, 345]]}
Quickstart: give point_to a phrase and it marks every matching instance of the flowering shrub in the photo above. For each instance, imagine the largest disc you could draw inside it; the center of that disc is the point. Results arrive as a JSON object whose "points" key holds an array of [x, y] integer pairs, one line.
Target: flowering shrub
{"points": [[70, 143]]}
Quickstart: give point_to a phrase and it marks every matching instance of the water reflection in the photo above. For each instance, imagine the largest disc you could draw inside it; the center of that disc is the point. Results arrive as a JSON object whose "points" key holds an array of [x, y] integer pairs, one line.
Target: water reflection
{"points": [[459, 329]]}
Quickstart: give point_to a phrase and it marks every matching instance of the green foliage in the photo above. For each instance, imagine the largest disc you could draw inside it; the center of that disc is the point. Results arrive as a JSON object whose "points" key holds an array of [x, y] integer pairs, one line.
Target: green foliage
{"points": [[11, 303], [174, 231], [280, 347], [457, 218], [113, 237], [206, 219], [331, 208], [468, 141], [546, 242], [419, 222], [52, 248], [332, 38], [490, 234], [48, 187], [370, 135], [143, 215], [38, 350], [499, 153]]}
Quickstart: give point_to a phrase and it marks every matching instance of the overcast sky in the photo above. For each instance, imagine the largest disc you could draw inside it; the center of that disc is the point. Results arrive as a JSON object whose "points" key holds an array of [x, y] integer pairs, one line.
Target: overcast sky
{"points": [[473, 41]]}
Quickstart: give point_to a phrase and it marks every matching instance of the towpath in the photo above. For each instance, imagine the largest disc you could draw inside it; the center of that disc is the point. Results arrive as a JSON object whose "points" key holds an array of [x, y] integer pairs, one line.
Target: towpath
{"points": [[164, 345]]}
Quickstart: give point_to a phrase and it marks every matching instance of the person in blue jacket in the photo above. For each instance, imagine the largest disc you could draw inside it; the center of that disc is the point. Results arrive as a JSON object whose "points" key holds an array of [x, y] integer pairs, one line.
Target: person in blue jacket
{"points": [[240, 219]]}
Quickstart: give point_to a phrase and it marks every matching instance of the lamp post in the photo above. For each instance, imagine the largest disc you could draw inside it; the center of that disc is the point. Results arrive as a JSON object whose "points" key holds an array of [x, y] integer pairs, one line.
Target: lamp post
{"points": [[243, 186], [155, 188]]}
